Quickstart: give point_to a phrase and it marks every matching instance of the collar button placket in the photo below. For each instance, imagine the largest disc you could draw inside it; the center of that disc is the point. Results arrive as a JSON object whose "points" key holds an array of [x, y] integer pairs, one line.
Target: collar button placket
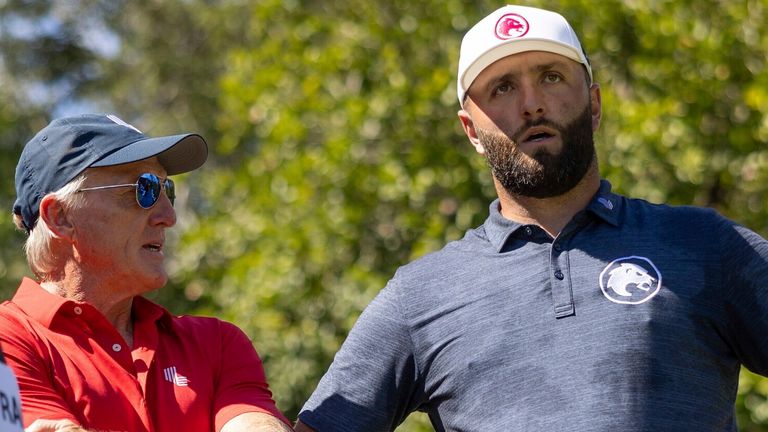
{"points": [[562, 292]]}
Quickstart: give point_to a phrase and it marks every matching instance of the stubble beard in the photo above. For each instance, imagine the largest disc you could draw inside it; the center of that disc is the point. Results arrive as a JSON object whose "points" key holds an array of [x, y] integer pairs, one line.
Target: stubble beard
{"points": [[542, 175]]}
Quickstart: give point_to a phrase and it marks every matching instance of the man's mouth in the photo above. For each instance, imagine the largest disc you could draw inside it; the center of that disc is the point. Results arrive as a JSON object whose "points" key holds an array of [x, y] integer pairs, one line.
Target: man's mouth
{"points": [[154, 247], [536, 134]]}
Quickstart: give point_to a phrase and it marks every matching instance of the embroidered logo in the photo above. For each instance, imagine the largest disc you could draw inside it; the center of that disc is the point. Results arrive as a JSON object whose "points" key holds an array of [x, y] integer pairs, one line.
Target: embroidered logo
{"points": [[172, 376], [630, 280], [606, 203], [511, 26]]}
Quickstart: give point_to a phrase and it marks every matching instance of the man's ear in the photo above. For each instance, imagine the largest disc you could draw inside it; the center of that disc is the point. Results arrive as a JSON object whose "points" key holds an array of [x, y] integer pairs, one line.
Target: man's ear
{"points": [[54, 215], [597, 105], [469, 129]]}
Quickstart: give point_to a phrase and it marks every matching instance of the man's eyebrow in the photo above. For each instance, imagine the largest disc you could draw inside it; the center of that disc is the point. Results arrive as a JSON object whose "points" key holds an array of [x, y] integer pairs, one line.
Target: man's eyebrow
{"points": [[535, 68], [509, 76], [548, 66]]}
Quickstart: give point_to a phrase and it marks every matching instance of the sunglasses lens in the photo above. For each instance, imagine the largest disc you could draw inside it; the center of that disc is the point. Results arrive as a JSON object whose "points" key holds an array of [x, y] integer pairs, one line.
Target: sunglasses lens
{"points": [[170, 190], [147, 190]]}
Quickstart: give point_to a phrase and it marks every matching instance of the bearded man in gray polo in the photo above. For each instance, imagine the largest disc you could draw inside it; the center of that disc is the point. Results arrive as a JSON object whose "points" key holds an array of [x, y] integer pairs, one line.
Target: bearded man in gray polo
{"points": [[571, 307]]}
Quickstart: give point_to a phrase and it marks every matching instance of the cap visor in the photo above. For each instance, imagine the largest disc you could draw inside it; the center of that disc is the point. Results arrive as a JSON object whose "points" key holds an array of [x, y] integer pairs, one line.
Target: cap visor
{"points": [[178, 153]]}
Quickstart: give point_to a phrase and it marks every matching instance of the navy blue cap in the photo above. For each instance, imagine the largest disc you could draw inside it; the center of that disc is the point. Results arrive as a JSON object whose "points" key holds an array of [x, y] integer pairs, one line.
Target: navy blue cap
{"points": [[68, 146]]}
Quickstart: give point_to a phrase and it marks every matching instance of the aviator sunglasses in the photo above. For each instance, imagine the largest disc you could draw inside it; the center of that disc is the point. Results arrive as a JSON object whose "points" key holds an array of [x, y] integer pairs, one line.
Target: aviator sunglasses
{"points": [[148, 188]]}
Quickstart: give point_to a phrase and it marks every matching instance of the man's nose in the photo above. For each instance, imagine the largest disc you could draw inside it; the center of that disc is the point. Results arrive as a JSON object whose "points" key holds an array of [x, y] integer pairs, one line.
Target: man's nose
{"points": [[163, 212], [533, 102]]}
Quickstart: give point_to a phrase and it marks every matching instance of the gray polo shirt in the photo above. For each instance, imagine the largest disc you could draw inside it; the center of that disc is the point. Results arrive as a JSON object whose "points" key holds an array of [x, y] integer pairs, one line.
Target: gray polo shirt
{"points": [[637, 317]]}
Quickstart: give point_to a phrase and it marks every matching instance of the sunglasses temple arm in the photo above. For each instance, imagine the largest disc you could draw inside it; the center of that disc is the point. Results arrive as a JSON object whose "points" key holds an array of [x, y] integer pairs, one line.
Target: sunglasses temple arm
{"points": [[109, 187]]}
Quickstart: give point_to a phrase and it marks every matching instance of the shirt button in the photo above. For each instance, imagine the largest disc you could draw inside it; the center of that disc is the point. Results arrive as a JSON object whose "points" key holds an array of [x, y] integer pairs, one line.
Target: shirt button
{"points": [[117, 347], [78, 310], [559, 275], [557, 247], [528, 231]]}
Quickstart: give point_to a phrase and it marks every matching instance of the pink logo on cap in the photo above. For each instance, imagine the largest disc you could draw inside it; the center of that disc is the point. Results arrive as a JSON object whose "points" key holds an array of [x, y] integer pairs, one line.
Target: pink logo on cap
{"points": [[511, 26]]}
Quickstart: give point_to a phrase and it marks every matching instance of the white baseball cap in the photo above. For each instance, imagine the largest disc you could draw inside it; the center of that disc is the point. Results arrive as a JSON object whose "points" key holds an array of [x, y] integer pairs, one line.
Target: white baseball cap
{"points": [[511, 30]]}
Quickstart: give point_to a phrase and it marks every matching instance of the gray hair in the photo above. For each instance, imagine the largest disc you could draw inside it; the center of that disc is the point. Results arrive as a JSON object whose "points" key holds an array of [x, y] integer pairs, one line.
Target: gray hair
{"points": [[38, 246]]}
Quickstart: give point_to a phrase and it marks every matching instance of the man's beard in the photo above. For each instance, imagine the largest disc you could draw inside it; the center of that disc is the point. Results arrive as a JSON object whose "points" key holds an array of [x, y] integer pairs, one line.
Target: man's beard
{"points": [[544, 174]]}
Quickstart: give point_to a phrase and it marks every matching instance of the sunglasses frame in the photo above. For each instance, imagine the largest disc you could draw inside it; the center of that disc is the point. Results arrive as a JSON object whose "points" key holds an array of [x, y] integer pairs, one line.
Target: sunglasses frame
{"points": [[165, 184]]}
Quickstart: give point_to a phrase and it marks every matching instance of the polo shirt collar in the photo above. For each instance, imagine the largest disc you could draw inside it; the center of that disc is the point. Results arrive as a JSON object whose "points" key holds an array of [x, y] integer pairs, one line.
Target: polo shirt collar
{"points": [[497, 227], [605, 205], [145, 310], [37, 303], [43, 306]]}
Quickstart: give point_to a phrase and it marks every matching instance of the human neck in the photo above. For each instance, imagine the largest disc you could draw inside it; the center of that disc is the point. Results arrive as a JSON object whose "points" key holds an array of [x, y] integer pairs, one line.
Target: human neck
{"points": [[551, 214], [117, 310]]}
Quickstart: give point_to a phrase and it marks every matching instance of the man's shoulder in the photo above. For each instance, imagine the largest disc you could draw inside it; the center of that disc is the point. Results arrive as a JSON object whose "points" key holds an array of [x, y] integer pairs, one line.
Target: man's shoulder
{"points": [[202, 324], [637, 208], [189, 328], [445, 270], [147, 309], [210, 336], [8, 308], [702, 228], [13, 319], [452, 255]]}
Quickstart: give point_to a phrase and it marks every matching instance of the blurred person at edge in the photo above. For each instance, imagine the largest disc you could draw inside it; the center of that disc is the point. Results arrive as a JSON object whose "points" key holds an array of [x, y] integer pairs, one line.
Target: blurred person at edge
{"points": [[88, 350], [571, 307], [10, 402]]}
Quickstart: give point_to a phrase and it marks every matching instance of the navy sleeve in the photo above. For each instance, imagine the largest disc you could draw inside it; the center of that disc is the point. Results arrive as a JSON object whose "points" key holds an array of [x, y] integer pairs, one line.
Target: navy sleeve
{"points": [[745, 276], [371, 383]]}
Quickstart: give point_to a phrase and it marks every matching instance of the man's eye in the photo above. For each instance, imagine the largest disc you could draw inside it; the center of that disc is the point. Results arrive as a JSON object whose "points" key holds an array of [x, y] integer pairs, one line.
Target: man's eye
{"points": [[552, 78], [501, 89]]}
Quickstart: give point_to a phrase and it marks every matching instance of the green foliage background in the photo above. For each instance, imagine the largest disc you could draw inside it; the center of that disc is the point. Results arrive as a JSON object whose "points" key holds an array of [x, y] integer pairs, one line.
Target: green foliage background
{"points": [[336, 155]]}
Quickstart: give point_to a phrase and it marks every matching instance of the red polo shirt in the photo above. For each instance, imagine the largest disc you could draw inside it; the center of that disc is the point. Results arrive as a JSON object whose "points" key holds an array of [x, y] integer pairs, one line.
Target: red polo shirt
{"points": [[182, 374]]}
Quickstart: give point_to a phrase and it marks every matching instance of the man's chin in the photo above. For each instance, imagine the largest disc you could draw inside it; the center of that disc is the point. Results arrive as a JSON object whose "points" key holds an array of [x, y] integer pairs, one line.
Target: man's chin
{"points": [[155, 282]]}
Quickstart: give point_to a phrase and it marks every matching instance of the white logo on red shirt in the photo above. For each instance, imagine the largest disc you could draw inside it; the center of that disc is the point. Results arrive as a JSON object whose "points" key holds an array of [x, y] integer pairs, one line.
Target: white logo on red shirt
{"points": [[172, 376]]}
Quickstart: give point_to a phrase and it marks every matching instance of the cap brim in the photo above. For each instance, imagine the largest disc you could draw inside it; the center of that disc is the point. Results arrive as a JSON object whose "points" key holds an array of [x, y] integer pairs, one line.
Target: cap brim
{"points": [[178, 153], [517, 46]]}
